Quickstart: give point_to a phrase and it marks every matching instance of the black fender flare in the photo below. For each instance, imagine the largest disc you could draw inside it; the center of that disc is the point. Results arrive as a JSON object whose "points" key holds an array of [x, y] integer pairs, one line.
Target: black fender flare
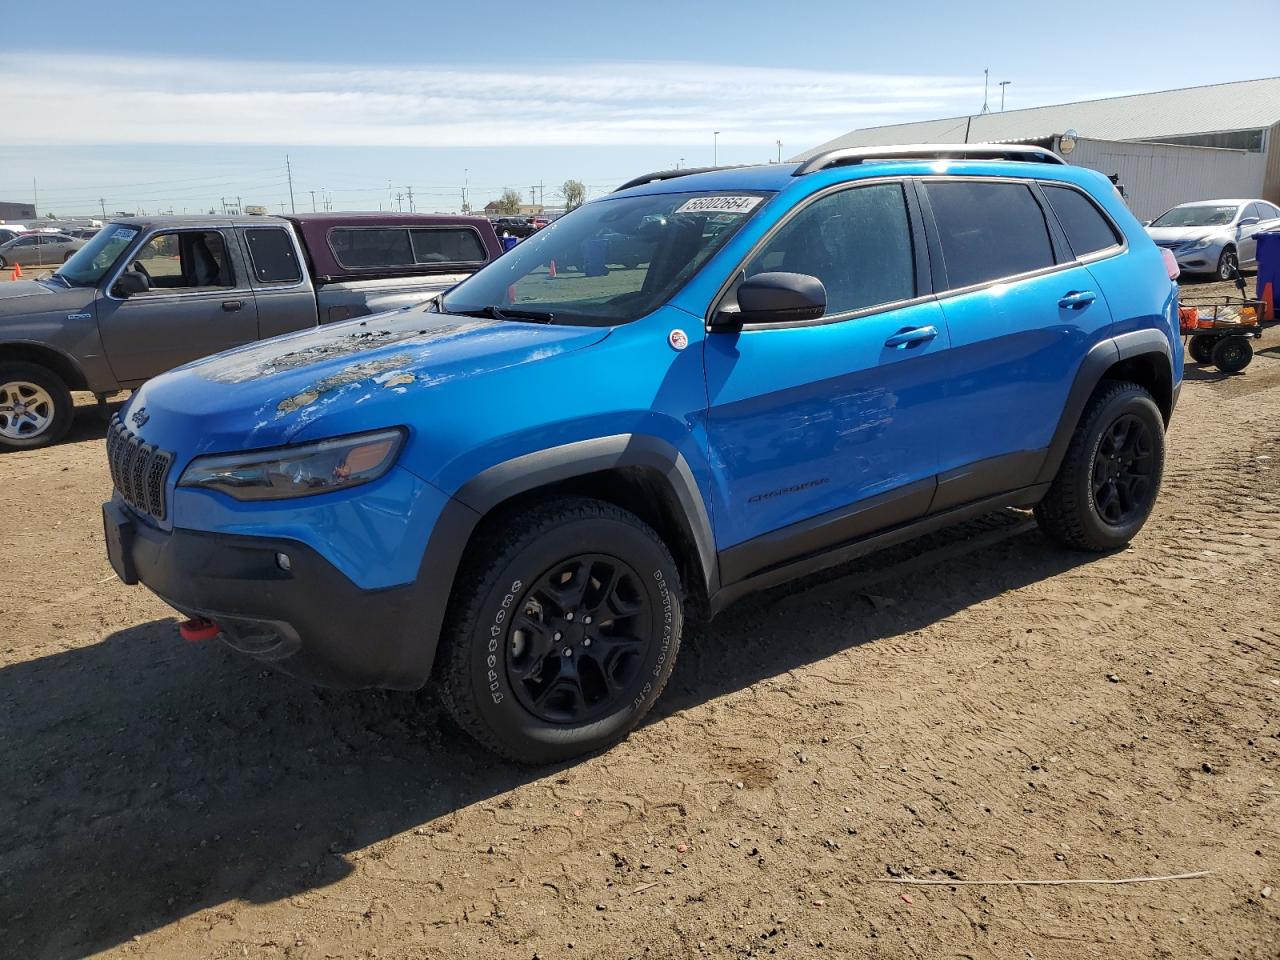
{"points": [[1101, 357], [492, 486]]}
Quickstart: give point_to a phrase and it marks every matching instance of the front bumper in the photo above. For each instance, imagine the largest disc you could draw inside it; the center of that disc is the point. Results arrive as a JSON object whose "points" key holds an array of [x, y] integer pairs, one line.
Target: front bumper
{"points": [[309, 620]]}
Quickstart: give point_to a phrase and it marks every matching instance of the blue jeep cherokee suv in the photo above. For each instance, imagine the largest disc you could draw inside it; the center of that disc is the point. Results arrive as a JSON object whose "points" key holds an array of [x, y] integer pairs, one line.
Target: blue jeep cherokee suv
{"points": [[518, 489]]}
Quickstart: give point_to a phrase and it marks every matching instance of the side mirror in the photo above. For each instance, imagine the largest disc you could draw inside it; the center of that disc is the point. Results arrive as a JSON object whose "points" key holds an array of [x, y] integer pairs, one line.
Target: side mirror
{"points": [[130, 283], [1248, 221], [778, 298]]}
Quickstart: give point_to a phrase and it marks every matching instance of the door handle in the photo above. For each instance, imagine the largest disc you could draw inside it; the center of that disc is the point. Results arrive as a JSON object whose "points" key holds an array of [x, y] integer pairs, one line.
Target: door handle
{"points": [[231, 306], [905, 338], [1077, 299]]}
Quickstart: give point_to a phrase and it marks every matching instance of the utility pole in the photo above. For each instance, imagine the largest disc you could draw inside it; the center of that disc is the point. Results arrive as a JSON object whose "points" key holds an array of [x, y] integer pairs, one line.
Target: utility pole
{"points": [[288, 168], [779, 151], [542, 193], [409, 189], [313, 200], [680, 163], [986, 77], [1003, 84], [35, 197], [103, 203], [466, 182], [715, 148], [399, 202]]}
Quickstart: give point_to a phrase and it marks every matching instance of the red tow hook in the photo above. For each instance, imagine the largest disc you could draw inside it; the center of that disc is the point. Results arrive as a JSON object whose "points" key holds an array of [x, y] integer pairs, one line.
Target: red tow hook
{"points": [[198, 630]]}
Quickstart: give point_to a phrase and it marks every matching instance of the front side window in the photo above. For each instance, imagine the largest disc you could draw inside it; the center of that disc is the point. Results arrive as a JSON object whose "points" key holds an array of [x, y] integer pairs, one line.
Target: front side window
{"points": [[989, 230], [1087, 230], [609, 261], [185, 260], [857, 242], [271, 252]]}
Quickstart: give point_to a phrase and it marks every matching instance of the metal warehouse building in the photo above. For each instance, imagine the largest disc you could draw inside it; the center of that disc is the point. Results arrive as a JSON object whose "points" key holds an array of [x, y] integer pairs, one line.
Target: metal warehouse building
{"points": [[1165, 148]]}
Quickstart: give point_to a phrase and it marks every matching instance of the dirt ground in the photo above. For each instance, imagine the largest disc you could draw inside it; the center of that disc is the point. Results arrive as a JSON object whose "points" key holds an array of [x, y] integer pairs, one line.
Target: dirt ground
{"points": [[976, 706]]}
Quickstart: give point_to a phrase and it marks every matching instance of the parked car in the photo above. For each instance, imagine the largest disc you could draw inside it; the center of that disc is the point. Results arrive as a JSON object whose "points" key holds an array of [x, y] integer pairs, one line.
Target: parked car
{"points": [[1214, 236], [145, 295], [524, 487], [518, 227], [9, 232], [32, 249]]}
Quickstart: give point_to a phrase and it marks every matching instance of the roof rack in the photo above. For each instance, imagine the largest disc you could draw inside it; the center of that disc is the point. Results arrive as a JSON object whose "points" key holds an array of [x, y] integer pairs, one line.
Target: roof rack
{"points": [[672, 174], [849, 156]]}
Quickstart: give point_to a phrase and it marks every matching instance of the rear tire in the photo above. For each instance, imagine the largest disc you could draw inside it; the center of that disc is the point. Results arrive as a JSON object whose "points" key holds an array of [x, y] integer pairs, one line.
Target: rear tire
{"points": [[36, 408], [574, 575], [1232, 354], [1108, 481], [1201, 348]]}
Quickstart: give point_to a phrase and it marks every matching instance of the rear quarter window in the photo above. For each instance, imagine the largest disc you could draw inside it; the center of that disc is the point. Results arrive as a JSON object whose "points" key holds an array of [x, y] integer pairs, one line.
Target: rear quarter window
{"points": [[989, 230], [1087, 228], [273, 256]]}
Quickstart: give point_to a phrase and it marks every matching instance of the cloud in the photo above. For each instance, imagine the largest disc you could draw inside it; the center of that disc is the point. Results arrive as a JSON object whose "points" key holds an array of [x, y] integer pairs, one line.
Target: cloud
{"points": [[130, 99]]}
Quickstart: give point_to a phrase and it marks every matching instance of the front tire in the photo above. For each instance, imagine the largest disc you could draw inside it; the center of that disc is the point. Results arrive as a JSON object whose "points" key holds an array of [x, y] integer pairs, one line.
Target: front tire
{"points": [[562, 632], [1107, 484], [1228, 264], [36, 408]]}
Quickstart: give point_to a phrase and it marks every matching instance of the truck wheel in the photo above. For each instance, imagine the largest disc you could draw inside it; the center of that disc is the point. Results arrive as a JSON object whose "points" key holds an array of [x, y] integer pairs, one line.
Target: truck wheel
{"points": [[562, 630], [35, 406], [1201, 348], [1109, 478], [1232, 354]]}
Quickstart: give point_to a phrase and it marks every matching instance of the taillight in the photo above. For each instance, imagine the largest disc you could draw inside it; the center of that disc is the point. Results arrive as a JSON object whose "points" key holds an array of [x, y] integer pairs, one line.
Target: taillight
{"points": [[1170, 263]]}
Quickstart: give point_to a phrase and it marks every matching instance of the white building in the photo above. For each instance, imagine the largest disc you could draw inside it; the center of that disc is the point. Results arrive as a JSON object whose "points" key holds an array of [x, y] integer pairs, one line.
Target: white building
{"points": [[1164, 148]]}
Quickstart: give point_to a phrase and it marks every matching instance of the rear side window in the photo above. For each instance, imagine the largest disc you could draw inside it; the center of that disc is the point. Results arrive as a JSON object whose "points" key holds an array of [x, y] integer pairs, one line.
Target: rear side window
{"points": [[857, 242], [1087, 230], [273, 256], [365, 248], [989, 230]]}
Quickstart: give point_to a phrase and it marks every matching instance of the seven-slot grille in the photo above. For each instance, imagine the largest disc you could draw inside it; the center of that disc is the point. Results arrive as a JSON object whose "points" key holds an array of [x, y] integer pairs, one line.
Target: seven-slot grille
{"points": [[138, 470]]}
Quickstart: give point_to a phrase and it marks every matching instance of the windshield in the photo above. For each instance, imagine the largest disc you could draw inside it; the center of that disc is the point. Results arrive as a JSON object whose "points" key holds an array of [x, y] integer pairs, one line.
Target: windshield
{"points": [[1201, 216], [608, 262], [91, 262]]}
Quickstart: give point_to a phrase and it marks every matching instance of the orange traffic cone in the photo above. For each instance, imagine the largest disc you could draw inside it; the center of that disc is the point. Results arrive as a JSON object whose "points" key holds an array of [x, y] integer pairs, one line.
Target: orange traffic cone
{"points": [[1268, 303], [17, 272], [552, 269]]}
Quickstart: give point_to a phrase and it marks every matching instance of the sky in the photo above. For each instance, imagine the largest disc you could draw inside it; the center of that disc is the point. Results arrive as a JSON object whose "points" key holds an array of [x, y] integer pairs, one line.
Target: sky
{"points": [[176, 106]]}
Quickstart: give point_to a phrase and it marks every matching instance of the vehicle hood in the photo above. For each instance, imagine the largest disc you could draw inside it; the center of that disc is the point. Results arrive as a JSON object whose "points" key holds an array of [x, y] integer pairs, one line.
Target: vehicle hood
{"points": [[22, 298], [376, 371], [1184, 234]]}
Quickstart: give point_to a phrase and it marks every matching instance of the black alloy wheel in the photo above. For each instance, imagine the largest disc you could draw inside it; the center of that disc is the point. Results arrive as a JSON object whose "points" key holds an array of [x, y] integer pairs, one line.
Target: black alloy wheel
{"points": [[1123, 468], [581, 635]]}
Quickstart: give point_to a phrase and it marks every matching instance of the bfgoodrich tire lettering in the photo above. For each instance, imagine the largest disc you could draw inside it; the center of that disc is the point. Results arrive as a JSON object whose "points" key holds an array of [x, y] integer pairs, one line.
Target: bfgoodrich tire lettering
{"points": [[526, 573], [1107, 484]]}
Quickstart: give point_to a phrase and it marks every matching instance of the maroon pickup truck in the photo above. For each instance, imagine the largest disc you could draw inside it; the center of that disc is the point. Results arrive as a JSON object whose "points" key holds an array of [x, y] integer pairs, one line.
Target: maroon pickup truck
{"points": [[146, 295]]}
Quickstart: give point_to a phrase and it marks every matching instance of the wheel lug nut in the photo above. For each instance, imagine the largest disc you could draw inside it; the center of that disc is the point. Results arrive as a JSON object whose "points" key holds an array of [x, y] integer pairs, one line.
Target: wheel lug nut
{"points": [[586, 641], [569, 615], [586, 619], [567, 652], [558, 635]]}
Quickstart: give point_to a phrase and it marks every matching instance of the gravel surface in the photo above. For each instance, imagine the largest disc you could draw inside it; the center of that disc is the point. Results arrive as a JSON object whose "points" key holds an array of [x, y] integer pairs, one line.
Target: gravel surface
{"points": [[979, 706]]}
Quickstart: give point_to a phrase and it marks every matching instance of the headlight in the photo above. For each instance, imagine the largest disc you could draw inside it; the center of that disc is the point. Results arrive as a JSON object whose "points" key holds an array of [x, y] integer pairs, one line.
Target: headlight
{"points": [[300, 471], [1202, 243]]}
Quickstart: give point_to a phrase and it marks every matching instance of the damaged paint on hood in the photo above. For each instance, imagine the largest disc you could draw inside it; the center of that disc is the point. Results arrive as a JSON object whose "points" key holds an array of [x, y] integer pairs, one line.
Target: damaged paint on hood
{"points": [[277, 391]]}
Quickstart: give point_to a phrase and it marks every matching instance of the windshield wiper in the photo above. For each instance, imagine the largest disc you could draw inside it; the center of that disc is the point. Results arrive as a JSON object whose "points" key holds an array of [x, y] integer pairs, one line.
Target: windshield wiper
{"points": [[510, 313], [58, 276]]}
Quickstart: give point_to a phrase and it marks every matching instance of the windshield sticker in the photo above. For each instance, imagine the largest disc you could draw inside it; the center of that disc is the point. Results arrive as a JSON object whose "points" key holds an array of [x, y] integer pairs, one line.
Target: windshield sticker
{"points": [[719, 205]]}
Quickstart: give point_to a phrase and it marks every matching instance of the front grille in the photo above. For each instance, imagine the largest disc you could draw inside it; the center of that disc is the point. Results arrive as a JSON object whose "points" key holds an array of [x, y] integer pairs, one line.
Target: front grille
{"points": [[139, 470]]}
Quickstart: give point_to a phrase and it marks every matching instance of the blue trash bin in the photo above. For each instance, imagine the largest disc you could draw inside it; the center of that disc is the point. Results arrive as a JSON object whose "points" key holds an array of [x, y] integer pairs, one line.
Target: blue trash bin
{"points": [[509, 243], [1268, 288]]}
